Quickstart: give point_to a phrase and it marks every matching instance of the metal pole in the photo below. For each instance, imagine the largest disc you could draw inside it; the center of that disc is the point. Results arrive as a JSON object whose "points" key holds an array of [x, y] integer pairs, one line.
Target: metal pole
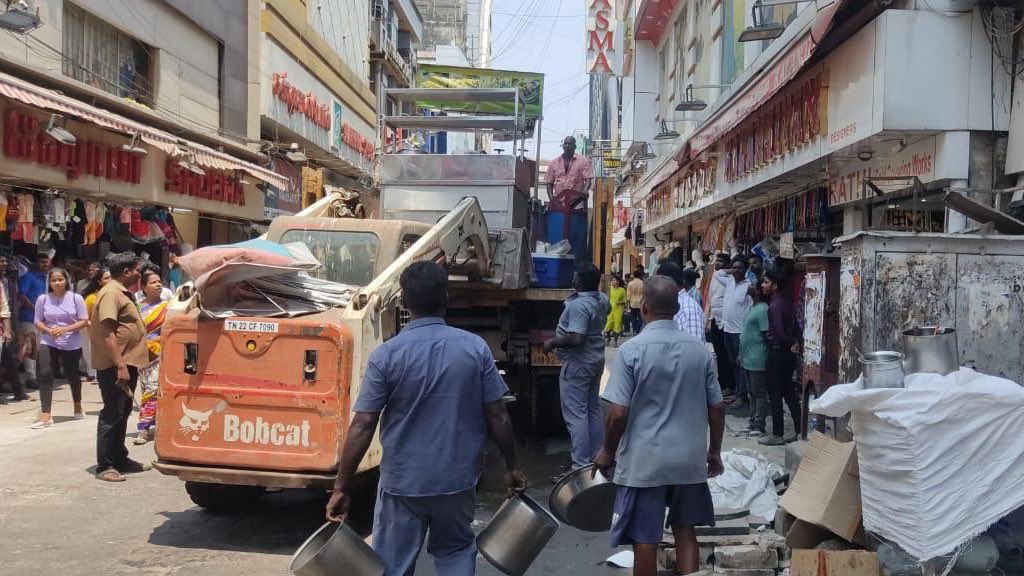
{"points": [[536, 167]]}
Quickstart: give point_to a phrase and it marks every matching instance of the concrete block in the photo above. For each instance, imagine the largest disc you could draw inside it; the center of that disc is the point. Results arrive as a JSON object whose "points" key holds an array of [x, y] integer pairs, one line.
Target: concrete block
{"points": [[733, 527], [752, 557]]}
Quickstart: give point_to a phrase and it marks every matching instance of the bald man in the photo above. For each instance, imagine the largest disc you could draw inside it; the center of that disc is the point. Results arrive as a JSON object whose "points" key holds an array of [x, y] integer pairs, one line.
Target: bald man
{"points": [[664, 400], [569, 177]]}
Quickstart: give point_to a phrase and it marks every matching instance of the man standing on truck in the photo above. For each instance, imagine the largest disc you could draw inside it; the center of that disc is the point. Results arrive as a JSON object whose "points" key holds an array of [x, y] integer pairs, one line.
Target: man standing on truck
{"points": [[436, 392], [569, 177], [664, 399], [580, 346]]}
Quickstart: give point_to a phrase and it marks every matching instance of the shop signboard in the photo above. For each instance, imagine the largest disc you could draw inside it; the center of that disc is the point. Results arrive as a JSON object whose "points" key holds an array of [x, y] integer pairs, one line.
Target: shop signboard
{"points": [[604, 37], [98, 166], [25, 139], [530, 84], [851, 100], [610, 161], [215, 185], [283, 202], [756, 96], [294, 98], [846, 176]]}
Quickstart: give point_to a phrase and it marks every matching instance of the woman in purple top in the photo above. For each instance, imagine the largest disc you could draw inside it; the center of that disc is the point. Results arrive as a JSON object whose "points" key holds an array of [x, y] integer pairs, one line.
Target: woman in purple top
{"points": [[60, 315]]}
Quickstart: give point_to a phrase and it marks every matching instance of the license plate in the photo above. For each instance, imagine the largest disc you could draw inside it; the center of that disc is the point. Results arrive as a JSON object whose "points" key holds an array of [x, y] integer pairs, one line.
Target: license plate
{"points": [[250, 326]]}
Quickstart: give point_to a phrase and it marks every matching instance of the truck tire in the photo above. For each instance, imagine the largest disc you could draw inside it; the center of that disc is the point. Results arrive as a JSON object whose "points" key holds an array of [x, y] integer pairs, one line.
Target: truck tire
{"points": [[223, 497]]}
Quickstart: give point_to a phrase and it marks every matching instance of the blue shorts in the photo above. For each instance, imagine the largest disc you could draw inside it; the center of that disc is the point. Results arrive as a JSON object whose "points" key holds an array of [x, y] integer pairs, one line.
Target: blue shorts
{"points": [[639, 516]]}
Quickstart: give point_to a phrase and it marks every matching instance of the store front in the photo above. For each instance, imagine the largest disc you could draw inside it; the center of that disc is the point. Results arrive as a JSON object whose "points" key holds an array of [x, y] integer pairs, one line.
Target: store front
{"points": [[297, 107], [79, 190]]}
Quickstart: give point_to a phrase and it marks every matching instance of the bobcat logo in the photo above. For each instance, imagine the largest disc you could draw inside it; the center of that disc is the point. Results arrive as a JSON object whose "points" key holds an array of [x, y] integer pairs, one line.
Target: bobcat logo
{"points": [[194, 422]]}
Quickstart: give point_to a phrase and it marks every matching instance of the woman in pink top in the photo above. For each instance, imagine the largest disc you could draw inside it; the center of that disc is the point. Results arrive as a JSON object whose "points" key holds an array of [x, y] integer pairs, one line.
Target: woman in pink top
{"points": [[60, 315]]}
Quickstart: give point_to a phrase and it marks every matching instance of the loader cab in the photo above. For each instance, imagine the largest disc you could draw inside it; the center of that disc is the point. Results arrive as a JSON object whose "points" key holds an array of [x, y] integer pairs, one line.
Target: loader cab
{"points": [[351, 251]]}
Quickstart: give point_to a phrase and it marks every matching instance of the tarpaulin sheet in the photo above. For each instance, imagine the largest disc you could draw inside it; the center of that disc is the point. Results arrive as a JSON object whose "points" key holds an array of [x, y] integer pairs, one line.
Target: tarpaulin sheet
{"points": [[939, 461]]}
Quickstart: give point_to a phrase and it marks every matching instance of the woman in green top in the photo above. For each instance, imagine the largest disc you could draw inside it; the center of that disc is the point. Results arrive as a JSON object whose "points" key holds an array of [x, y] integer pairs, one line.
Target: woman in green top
{"points": [[753, 356]]}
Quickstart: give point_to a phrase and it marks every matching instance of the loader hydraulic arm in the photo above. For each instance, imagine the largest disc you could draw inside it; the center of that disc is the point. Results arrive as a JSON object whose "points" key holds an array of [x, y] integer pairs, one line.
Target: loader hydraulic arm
{"points": [[459, 241]]}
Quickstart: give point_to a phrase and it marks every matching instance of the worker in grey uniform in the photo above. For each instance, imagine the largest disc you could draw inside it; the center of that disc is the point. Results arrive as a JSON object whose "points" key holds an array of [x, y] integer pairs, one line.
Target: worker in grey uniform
{"points": [[580, 346], [437, 394], [664, 428]]}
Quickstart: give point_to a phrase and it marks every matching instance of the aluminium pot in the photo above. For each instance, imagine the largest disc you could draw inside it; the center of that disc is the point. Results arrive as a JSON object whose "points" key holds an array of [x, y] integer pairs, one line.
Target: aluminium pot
{"points": [[583, 502], [882, 369], [332, 548], [516, 534], [931, 349]]}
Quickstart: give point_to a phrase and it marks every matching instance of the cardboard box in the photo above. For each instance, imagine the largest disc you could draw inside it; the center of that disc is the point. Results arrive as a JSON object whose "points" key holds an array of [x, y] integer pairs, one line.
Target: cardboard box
{"points": [[826, 489], [834, 563]]}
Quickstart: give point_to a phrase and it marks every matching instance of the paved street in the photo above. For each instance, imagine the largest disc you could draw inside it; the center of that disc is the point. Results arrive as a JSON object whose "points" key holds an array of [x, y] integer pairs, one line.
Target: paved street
{"points": [[55, 515]]}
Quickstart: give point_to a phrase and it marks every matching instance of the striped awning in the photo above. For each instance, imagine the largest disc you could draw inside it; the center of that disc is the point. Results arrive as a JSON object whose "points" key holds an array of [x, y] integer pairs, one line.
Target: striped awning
{"points": [[26, 92]]}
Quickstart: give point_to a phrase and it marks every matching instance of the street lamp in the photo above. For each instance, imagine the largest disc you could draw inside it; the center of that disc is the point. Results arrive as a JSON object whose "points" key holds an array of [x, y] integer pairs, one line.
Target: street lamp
{"points": [[691, 104], [762, 30], [19, 18], [647, 153], [666, 133]]}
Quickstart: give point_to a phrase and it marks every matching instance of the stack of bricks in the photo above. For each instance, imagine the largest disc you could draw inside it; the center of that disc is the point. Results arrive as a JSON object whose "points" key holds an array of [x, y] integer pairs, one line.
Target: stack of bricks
{"points": [[739, 547]]}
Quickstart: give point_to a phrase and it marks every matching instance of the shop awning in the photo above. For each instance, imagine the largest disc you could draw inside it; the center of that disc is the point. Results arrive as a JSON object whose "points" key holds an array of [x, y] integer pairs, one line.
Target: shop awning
{"points": [[205, 156], [758, 92]]}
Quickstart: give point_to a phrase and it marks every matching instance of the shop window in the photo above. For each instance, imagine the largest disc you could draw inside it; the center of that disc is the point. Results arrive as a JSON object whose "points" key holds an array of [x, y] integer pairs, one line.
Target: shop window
{"points": [[346, 257], [102, 56]]}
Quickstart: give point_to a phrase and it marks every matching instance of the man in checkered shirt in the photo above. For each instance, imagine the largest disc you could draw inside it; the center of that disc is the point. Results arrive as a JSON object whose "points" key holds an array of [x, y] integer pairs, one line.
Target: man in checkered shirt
{"points": [[690, 317]]}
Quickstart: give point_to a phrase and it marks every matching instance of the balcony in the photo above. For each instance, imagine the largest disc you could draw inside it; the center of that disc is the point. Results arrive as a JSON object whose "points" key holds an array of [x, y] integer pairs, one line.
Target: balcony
{"points": [[383, 49]]}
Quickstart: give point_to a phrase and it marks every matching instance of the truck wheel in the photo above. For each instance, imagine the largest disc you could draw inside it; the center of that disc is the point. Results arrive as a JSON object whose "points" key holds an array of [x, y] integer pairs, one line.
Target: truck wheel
{"points": [[223, 497]]}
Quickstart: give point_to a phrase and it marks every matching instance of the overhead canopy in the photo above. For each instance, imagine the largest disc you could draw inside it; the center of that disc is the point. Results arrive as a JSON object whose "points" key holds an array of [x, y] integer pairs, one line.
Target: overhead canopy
{"points": [[205, 156]]}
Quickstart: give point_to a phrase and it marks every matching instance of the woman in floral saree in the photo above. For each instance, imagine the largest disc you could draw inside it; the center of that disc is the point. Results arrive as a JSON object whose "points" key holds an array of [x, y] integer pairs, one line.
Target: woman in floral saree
{"points": [[154, 311]]}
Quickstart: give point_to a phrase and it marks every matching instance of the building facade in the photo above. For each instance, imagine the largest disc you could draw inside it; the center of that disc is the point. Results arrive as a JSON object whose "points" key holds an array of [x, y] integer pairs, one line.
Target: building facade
{"points": [[846, 121], [129, 125]]}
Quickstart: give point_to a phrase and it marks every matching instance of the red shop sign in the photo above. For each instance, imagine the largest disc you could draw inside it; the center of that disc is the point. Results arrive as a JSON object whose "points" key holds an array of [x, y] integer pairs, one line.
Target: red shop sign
{"points": [[789, 122], [297, 101], [213, 185], [26, 140], [356, 141]]}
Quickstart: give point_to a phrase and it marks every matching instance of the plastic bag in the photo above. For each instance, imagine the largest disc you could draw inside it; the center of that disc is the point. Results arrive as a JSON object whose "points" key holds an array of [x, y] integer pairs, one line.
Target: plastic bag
{"points": [[561, 248], [940, 461], [747, 483]]}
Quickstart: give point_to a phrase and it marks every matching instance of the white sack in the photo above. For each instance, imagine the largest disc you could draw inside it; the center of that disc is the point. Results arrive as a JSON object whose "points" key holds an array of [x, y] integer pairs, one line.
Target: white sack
{"points": [[748, 483], [940, 461]]}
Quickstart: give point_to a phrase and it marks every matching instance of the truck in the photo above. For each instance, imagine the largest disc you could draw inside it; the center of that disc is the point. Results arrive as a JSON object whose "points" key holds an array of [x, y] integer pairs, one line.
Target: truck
{"points": [[250, 403]]}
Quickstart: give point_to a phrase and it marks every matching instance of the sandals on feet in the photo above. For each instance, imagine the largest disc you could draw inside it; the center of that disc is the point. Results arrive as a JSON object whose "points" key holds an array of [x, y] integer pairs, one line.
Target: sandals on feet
{"points": [[110, 475]]}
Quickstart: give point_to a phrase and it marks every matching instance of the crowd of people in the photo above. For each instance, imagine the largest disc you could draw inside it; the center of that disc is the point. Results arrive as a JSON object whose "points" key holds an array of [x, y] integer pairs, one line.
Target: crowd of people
{"points": [[73, 330], [748, 320]]}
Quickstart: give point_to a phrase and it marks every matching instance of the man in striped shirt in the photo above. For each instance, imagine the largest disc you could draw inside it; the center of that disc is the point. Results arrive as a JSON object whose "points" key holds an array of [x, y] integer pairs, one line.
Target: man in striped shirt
{"points": [[690, 317]]}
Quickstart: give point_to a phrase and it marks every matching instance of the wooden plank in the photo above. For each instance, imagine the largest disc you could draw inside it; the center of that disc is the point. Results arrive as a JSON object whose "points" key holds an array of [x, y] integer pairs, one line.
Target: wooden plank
{"points": [[1004, 223], [837, 563]]}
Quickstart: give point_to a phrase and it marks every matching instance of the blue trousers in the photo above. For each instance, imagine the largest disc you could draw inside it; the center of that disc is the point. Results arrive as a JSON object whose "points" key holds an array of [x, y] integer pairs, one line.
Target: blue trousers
{"points": [[402, 523], [579, 384]]}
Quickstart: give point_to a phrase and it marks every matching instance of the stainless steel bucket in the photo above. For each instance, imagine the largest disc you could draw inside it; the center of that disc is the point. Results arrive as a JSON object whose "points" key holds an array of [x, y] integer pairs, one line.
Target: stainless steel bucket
{"points": [[583, 502], [335, 549], [516, 535], [931, 349], [883, 369]]}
